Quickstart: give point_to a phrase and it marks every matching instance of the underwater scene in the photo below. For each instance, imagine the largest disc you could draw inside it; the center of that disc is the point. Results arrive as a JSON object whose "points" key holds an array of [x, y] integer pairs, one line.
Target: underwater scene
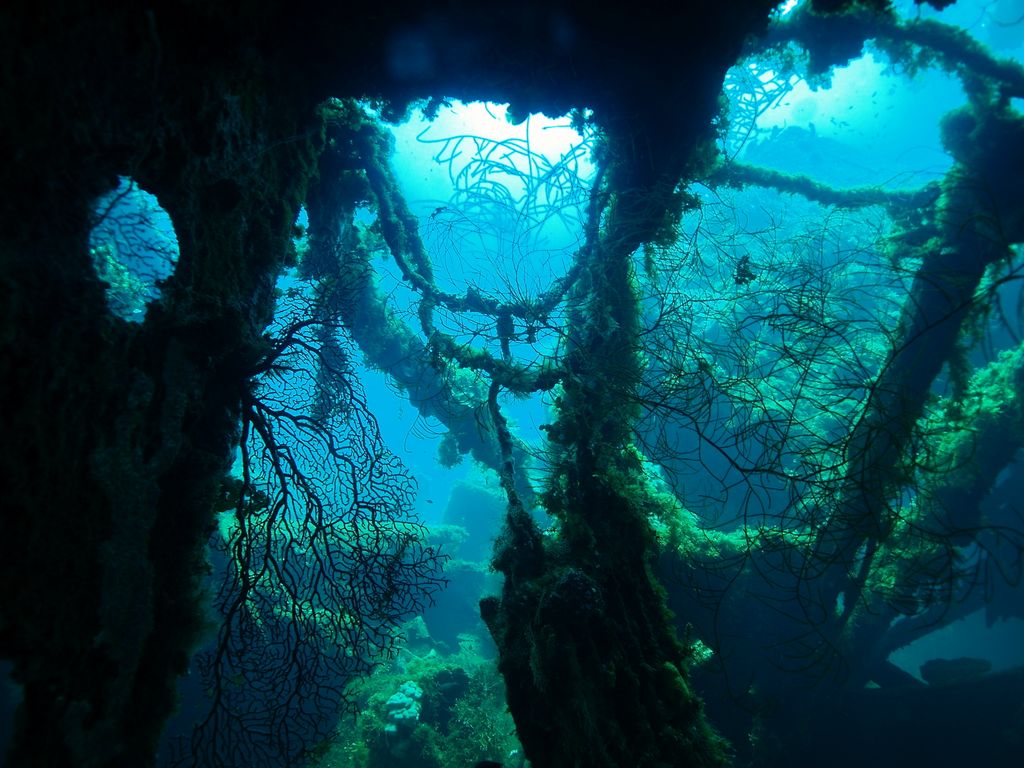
{"points": [[541, 388]]}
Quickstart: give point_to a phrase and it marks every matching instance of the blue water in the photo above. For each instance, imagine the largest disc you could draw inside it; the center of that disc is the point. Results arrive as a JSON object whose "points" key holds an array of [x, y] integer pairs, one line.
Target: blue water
{"points": [[501, 210]]}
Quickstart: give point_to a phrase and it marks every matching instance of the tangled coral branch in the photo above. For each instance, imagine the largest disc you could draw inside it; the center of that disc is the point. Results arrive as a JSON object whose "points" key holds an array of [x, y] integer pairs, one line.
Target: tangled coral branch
{"points": [[322, 556]]}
